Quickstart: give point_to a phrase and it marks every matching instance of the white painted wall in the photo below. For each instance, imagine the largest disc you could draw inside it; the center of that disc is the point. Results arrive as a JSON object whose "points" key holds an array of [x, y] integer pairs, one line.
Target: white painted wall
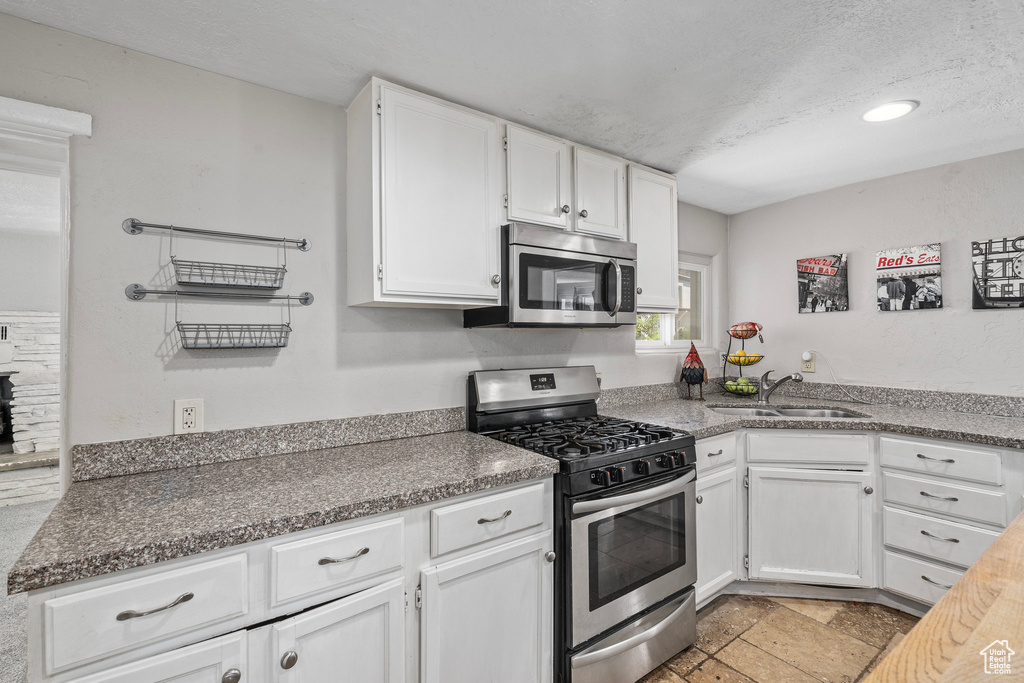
{"points": [[955, 348], [29, 242], [173, 144], [706, 233]]}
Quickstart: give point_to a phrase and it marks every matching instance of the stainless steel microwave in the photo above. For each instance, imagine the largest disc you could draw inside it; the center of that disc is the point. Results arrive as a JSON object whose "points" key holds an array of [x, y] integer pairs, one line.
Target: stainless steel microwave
{"points": [[555, 278]]}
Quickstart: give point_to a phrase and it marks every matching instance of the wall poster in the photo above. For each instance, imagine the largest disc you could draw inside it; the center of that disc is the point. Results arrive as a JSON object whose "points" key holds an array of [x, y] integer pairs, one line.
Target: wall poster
{"points": [[998, 273], [909, 278], [823, 284]]}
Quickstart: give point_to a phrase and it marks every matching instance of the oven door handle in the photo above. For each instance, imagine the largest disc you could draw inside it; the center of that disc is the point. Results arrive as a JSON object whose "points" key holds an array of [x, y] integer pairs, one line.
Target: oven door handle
{"points": [[581, 661], [674, 486]]}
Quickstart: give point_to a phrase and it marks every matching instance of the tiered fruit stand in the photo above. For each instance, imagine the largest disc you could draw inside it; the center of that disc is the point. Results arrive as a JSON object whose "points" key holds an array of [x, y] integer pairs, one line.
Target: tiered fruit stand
{"points": [[737, 385]]}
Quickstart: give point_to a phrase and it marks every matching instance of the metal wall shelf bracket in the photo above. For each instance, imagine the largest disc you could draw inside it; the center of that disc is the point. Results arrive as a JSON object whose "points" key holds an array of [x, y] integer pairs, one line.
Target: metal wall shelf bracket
{"points": [[134, 226], [137, 292]]}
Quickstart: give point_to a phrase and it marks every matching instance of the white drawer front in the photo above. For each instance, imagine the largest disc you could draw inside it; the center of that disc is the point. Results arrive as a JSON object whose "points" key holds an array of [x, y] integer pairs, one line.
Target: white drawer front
{"points": [[936, 538], [459, 526], [716, 451], [347, 557], [852, 449], [82, 627], [951, 499], [958, 462], [918, 579]]}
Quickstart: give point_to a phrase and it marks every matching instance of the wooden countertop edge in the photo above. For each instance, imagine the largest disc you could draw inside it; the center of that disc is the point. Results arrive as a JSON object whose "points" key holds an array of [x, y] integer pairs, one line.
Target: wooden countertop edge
{"points": [[985, 605]]}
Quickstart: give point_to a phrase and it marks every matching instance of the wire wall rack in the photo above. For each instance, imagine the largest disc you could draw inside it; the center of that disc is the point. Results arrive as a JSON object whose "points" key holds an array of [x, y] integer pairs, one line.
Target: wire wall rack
{"points": [[133, 226], [226, 335], [212, 274]]}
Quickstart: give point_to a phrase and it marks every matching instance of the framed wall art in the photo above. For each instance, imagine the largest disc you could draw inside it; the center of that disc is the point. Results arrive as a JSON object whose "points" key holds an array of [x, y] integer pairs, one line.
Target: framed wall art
{"points": [[823, 284], [909, 278], [998, 273]]}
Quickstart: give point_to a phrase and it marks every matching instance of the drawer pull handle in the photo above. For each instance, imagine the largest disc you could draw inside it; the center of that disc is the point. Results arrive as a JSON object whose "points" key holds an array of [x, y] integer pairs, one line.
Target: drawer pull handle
{"points": [[484, 520], [339, 560], [939, 538], [931, 495], [925, 457], [720, 451], [231, 676], [132, 614], [935, 583]]}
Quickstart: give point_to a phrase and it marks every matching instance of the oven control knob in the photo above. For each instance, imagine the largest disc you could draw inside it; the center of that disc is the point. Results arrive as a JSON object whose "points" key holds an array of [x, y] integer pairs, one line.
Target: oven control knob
{"points": [[618, 474], [601, 477], [668, 461], [643, 467]]}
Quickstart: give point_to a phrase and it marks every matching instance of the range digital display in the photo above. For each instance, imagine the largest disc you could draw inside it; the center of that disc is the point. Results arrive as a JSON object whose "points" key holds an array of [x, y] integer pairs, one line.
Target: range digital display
{"points": [[543, 382]]}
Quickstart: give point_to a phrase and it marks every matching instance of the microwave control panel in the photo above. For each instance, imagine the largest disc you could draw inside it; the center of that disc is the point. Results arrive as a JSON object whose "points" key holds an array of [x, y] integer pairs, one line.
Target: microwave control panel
{"points": [[628, 289]]}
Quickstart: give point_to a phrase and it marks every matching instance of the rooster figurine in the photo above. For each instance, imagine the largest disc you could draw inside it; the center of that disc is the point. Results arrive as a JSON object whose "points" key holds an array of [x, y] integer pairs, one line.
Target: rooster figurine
{"points": [[694, 372]]}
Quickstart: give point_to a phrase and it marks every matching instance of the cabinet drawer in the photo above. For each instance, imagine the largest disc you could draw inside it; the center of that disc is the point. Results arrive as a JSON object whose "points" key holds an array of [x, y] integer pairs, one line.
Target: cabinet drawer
{"points": [[346, 556], [936, 538], [918, 579], [205, 661], [84, 626], [716, 451], [971, 464], [951, 499], [459, 526], [851, 449]]}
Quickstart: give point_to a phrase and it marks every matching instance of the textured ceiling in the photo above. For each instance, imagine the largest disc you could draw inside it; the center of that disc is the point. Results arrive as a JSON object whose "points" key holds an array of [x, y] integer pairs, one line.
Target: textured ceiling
{"points": [[749, 102]]}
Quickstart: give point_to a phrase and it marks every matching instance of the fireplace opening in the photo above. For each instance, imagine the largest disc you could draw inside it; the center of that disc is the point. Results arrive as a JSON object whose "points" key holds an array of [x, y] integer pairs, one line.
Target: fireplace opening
{"points": [[6, 425]]}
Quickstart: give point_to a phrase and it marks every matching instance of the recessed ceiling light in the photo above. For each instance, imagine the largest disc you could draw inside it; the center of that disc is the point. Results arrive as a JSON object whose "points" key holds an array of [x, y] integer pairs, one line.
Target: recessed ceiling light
{"points": [[889, 111]]}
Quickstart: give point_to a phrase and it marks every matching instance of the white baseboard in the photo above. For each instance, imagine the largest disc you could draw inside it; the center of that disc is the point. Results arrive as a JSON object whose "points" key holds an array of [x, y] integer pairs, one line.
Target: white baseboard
{"points": [[778, 589]]}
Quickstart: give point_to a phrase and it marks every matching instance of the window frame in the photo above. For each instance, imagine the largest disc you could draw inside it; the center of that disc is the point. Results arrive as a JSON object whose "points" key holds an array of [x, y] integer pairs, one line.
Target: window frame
{"points": [[667, 343]]}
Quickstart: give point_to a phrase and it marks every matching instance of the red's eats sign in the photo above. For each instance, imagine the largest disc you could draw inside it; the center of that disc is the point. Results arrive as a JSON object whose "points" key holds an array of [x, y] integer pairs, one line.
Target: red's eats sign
{"points": [[908, 260]]}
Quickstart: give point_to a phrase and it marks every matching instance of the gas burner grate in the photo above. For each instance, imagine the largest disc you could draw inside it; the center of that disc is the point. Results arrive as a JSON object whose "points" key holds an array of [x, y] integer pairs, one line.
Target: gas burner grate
{"points": [[584, 436]]}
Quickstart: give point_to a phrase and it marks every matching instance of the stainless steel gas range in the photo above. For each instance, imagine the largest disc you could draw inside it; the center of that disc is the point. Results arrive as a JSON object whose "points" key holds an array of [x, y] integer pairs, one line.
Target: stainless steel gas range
{"points": [[624, 526]]}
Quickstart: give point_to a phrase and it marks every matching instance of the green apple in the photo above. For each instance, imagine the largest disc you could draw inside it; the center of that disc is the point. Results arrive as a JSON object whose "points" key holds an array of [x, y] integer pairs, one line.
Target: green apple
{"points": [[744, 381]]}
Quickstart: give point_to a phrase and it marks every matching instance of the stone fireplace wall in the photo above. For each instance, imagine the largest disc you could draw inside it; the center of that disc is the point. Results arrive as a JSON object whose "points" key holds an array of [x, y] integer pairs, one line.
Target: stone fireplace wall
{"points": [[31, 354]]}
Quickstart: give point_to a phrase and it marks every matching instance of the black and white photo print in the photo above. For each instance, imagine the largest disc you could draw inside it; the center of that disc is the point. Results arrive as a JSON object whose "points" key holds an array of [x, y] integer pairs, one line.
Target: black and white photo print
{"points": [[909, 278], [822, 284], [998, 273]]}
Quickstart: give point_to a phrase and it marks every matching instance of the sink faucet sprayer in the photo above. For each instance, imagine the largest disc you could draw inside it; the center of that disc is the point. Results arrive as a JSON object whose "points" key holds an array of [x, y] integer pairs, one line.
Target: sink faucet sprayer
{"points": [[766, 389]]}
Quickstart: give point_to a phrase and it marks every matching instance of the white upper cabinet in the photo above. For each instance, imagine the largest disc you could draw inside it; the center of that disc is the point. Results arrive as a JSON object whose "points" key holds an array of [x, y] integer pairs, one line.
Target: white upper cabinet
{"points": [[539, 178], [600, 193], [425, 181], [653, 226]]}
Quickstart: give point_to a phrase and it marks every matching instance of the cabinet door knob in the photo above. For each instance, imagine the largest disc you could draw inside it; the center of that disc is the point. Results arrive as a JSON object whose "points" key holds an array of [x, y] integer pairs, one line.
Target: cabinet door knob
{"points": [[868, 490], [565, 208], [290, 659], [583, 213], [700, 499], [231, 676], [639, 290], [495, 279], [550, 556]]}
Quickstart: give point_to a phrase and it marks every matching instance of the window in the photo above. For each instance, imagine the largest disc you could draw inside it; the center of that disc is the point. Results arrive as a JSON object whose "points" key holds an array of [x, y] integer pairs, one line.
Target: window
{"points": [[688, 324]]}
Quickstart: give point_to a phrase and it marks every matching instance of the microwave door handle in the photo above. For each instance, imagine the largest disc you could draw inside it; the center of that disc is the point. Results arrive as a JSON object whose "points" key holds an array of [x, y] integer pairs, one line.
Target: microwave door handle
{"points": [[618, 288], [581, 661], [671, 488]]}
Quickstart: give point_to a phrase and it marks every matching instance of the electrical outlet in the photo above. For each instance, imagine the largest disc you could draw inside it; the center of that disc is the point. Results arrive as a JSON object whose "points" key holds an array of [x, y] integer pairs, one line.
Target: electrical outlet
{"points": [[188, 415], [807, 365]]}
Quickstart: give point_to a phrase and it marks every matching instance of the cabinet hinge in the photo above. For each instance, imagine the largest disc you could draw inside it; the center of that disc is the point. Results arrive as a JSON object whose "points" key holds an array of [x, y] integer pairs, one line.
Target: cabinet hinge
{"points": [[505, 201], [378, 107], [746, 481], [419, 598], [380, 271], [504, 142], [746, 561]]}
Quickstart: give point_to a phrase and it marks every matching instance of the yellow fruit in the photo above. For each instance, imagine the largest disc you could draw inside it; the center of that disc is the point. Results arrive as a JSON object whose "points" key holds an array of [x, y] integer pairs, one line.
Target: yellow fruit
{"points": [[741, 352]]}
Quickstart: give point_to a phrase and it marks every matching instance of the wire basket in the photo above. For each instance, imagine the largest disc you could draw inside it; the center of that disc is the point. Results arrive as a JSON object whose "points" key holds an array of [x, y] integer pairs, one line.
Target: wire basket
{"points": [[229, 336], [744, 360], [210, 274], [740, 389]]}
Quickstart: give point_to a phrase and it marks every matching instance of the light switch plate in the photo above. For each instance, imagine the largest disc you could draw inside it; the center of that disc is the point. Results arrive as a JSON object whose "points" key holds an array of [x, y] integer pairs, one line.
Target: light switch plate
{"points": [[188, 415]]}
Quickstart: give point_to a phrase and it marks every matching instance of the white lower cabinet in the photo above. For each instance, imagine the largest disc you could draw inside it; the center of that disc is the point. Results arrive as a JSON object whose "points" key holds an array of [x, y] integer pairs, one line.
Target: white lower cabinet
{"points": [[360, 639], [488, 616], [811, 526], [717, 532], [220, 660]]}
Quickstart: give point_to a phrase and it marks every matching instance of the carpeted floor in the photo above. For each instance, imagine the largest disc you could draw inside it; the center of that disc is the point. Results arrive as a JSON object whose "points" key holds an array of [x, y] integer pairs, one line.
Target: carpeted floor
{"points": [[18, 523]]}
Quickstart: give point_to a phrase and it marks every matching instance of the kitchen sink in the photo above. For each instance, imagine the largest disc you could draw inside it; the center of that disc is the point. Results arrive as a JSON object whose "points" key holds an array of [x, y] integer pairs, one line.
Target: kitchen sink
{"points": [[816, 412], [744, 411]]}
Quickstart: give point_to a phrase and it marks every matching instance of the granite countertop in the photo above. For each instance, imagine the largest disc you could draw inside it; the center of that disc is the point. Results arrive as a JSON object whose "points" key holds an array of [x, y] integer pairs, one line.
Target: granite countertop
{"points": [[697, 418], [107, 525]]}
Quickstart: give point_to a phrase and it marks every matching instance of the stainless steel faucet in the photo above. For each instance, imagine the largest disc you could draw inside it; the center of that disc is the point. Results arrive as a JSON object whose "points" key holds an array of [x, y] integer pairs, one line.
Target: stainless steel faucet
{"points": [[766, 388]]}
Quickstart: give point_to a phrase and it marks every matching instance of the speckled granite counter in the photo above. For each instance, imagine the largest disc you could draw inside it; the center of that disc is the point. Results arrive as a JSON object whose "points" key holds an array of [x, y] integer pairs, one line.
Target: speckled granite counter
{"points": [[107, 525], [697, 418]]}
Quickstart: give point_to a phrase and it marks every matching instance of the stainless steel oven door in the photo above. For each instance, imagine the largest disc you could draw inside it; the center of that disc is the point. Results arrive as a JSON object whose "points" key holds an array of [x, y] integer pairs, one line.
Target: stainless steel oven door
{"points": [[555, 287], [630, 551]]}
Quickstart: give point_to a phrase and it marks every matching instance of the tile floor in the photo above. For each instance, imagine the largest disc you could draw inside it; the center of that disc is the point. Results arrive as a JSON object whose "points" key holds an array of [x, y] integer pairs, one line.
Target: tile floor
{"points": [[750, 639]]}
